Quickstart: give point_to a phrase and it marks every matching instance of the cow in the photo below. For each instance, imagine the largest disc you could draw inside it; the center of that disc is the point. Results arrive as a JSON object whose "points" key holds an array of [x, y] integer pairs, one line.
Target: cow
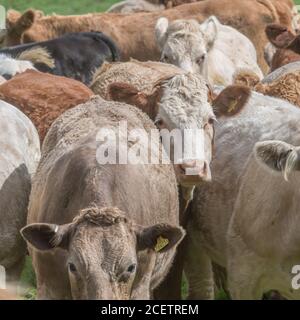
{"points": [[140, 44], [246, 219], [20, 154], [284, 86], [43, 97], [285, 10], [282, 71], [173, 100], [211, 49], [283, 47], [2, 80], [277, 163], [169, 96], [129, 6], [100, 230], [9, 66], [74, 55]]}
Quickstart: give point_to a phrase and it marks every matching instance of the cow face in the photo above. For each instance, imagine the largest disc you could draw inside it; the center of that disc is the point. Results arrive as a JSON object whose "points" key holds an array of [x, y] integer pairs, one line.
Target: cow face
{"points": [[185, 43], [278, 156], [182, 111], [103, 252]]}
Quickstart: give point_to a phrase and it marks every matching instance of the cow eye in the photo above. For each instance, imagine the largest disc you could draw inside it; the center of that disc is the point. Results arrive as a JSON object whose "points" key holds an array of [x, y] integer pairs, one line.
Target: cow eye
{"points": [[200, 59], [131, 268], [72, 267], [164, 58], [159, 123], [212, 120]]}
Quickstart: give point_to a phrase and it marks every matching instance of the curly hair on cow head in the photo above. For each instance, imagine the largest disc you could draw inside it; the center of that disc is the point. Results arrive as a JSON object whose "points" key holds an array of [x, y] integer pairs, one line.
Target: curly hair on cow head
{"points": [[105, 216]]}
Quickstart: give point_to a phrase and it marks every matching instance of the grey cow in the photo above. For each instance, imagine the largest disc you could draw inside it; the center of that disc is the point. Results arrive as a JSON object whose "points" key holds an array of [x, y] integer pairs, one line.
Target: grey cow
{"points": [[100, 231]]}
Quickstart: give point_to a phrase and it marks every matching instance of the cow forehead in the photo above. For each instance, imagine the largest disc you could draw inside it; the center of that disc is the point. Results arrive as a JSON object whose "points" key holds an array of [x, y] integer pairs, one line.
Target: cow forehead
{"points": [[185, 101], [181, 42]]}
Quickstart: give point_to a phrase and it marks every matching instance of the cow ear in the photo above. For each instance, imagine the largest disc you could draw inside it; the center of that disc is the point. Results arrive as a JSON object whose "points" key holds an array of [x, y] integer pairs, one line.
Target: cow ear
{"points": [[245, 77], [12, 16], [124, 92], [160, 237], [161, 28], [231, 101], [278, 35], [295, 45], [24, 22], [45, 236], [210, 29], [277, 156]]}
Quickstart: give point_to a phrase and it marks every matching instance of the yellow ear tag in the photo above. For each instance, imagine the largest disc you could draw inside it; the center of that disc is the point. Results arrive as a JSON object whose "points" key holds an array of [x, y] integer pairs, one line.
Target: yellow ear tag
{"points": [[232, 106], [161, 243]]}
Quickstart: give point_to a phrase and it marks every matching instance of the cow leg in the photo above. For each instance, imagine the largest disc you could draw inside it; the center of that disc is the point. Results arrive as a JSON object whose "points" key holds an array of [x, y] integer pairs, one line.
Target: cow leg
{"points": [[198, 270], [243, 283], [170, 288], [245, 272]]}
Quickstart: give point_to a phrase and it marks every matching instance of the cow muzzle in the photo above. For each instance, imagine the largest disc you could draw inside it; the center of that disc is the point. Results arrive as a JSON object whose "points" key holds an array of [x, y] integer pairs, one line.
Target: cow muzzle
{"points": [[193, 172]]}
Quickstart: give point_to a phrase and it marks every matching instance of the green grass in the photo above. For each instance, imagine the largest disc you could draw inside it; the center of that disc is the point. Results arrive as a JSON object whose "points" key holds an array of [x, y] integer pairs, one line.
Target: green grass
{"points": [[28, 281], [60, 6]]}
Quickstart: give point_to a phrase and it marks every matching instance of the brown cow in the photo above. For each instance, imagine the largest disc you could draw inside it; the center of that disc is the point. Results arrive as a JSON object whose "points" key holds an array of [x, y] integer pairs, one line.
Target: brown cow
{"points": [[284, 47], [140, 43], [2, 80], [43, 97]]}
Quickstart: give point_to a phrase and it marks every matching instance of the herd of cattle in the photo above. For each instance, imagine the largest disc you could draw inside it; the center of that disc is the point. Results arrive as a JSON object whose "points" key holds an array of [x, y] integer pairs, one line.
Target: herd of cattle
{"points": [[229, 68]]}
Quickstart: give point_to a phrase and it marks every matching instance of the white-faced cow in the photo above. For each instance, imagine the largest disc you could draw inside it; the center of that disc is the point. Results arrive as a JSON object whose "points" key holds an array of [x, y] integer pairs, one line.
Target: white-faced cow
{"points": [[212, 49]]}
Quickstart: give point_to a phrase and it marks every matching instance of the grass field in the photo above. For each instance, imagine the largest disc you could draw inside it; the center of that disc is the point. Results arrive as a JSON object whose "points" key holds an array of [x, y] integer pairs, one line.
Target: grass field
{"points": [[60, 6], [64, 6]]}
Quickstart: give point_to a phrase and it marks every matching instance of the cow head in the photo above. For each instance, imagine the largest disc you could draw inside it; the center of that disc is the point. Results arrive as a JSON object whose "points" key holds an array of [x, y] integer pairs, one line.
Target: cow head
{"points": [[284, 46], [18, 24], [186, 43], [278, 156], [183, 113], [103, 252]]}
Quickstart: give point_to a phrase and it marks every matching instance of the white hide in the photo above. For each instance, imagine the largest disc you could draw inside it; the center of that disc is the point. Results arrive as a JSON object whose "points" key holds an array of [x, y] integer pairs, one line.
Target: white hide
{"points": [[10, 66]]}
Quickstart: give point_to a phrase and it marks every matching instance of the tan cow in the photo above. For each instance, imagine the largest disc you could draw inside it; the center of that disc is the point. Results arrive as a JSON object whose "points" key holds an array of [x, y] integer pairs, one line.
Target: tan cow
{"points": [[43, 97], [139, 43], [101, 230]]}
